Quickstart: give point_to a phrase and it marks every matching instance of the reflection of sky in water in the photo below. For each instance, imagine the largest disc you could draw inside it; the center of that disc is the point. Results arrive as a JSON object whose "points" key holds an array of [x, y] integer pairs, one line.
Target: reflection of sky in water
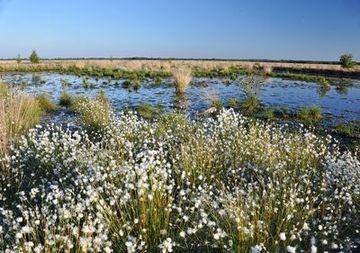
{"points": [[342, 104]]}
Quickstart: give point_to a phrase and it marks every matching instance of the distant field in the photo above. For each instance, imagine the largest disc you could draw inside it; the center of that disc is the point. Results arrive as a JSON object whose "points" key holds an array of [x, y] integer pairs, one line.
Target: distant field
{"points": [[163, 64]]}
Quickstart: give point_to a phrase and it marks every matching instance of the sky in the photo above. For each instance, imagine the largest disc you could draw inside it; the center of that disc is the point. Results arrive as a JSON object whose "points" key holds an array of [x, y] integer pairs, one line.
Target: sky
{"points": [[236, 29]]}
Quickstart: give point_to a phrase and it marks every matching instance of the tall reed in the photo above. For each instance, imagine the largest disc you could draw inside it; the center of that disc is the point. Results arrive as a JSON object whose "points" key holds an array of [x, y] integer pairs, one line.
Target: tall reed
{"points": [[18, 113]]}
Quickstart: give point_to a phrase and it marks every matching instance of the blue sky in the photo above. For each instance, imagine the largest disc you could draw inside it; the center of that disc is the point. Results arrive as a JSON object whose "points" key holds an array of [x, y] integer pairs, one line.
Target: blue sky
{"points": [[272, 29]]}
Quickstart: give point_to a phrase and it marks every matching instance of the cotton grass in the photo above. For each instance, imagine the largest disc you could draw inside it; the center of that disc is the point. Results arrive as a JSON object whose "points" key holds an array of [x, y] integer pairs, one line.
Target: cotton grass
{"points": [[228, 184]]}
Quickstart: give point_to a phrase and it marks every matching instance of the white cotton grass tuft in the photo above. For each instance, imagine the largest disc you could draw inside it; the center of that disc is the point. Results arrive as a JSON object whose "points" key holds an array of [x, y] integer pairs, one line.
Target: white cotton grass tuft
{"points": [[160, 186]]}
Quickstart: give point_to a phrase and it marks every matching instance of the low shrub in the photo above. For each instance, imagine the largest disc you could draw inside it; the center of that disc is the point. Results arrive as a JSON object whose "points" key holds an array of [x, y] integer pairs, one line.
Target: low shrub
{"points": [[346, 61]]}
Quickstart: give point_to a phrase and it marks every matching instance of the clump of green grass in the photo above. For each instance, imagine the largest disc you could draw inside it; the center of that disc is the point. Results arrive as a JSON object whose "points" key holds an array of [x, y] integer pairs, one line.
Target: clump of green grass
{"points": [[136, 84], [325, 84], [148, 111], [45, 103], [182, 77], [158, 80], [64, 83], [126, 84], [133, 84], [233, 102], [303, 77], [342, 89], [66, 99], [345, 129], [351, 129], [269, 114], [282, 112], [310, 115], [250, 105], [87, 84]]}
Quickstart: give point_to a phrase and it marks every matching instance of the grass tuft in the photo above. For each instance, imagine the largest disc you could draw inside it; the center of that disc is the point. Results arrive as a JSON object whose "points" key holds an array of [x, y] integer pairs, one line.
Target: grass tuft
{"points": [[148, 111], [66, 99], [250, 105], [310, 115], [182, 77], [45, 103]]}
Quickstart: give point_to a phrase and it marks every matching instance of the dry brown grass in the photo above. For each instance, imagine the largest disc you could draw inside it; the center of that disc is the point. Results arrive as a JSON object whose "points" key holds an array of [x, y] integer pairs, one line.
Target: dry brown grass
{"points": [[18, 113], [182, 77], [168, 65], [267, 69]]}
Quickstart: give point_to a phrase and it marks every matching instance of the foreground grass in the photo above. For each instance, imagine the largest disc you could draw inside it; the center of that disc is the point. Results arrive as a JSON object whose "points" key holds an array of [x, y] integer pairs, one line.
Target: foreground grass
{"points": [[225, 184], [18, 113]]}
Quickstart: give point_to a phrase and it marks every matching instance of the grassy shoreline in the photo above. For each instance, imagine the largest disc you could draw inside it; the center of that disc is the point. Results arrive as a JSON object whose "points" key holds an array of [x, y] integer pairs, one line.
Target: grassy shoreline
{"points": [[199, 67]]}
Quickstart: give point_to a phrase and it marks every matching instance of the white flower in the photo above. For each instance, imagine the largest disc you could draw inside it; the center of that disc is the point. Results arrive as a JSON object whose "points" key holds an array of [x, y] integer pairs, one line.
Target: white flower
{"points": [[166, 246], [282, 236], [291, 249], [313, 249], [182, 234], [107, 250], [255, 249]]}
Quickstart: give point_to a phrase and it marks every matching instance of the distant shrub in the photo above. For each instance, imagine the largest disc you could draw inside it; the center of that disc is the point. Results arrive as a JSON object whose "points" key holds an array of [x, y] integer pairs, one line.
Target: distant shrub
{"points": [[346, 61], [34, 58]]}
